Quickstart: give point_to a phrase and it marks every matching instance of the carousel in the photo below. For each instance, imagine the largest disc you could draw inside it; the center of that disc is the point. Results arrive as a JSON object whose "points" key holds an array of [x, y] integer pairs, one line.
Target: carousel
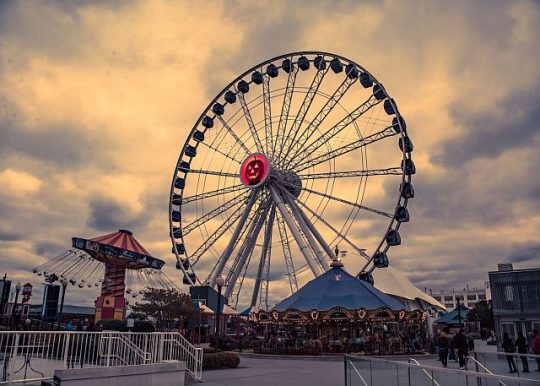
{"points": [[338, 313]]}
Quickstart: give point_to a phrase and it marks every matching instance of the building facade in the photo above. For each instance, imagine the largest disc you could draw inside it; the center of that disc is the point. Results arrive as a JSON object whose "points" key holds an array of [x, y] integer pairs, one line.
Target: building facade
{"points": [[467, 297], [516, 300]]}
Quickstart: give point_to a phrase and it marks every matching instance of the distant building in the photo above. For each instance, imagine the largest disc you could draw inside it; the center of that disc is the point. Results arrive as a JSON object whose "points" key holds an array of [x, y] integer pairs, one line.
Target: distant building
{"points": [[516, 300], [467, 297]]}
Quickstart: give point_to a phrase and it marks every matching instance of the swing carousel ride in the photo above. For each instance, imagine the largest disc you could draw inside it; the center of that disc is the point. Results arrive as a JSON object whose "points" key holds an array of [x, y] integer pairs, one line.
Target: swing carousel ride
{"points": [[117, 262]]}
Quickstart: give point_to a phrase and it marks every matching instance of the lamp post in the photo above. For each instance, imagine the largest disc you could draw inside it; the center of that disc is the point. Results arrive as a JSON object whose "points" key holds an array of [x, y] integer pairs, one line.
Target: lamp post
{"points": [[18, 288], [220, 282], [64, 283]]}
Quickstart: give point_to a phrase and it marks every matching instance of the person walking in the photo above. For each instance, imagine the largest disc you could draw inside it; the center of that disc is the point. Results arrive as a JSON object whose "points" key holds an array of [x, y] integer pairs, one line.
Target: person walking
{"points": [[508, 347], [523, 348], [535, 347], [444, 346], [460, 342]]}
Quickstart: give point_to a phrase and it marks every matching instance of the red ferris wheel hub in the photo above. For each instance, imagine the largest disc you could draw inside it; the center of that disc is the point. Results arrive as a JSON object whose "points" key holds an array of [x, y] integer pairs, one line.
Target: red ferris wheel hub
{"points": [[255, 170]]}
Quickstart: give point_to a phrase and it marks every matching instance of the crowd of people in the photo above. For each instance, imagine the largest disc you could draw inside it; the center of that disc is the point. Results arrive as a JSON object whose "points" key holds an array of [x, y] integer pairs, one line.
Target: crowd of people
{"points": [[459, 345], [509, 346]]}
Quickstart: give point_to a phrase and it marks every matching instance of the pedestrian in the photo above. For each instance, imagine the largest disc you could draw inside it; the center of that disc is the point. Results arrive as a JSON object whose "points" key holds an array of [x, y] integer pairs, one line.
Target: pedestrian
{"points": [[535, 348], [522, 348], [508, 347], [444, 346], [460, 342], [91, 327]]}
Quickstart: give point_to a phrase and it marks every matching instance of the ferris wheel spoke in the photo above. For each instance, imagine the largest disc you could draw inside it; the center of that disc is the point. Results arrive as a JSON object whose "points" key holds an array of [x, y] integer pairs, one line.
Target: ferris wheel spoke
{"points": [[213, 193], [232, 242], [290, 139], [265, 252], [340, 126], [285, 108], [322, 114], [287, 255], [354, 204], [340, 235], [249, 120], [353, 173], [210, 240], [247, 250], [305, 219], [309, 232], [267, 113], [304, 249], [363, 142], [213, 173], [233, 134], [220, 152], [213, 213]]}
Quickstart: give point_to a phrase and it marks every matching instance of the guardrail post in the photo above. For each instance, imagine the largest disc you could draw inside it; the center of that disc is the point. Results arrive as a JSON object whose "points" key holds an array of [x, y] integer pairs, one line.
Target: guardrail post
{"points": [[66, 350], [409, 371], [160, 349], [109, 349], [345, 369], [478, 380], [12, 359]]}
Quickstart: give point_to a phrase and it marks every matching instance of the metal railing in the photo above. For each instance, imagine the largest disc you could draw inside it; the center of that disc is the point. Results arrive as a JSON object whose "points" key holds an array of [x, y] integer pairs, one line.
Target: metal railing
{"points": [[478, 364], [34, 355], [399, 372], [425, 372]]}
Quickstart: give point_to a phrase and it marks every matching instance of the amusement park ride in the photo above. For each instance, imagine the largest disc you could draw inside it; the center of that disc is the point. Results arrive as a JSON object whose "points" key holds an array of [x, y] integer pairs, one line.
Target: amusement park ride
{"points": [[117, 261], [275, 171]]}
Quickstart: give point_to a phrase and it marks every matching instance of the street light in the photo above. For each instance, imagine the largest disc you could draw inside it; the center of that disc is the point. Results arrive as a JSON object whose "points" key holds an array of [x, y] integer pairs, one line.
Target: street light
{"points": [[220, 282], [18, 288], [64, 283]]}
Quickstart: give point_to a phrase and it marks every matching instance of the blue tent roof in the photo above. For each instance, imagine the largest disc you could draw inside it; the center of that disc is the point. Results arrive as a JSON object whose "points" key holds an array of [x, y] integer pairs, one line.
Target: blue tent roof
{"points": [[452, 318], [337, 288]]}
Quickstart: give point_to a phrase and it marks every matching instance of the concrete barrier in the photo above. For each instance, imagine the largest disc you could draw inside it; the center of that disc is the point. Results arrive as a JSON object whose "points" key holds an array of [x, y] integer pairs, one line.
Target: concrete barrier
{"points": [[159, 374]]}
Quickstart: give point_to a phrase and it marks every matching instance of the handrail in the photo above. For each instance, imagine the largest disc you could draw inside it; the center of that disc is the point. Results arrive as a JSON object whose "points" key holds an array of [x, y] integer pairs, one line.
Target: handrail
{"points": [[485, 368], [425, 371], [358, 373], [446, 371]]}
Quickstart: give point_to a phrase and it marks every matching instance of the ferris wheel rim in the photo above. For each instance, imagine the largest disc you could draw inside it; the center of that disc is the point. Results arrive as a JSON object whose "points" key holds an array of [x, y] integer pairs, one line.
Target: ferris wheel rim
{"points": [[401, 201]]}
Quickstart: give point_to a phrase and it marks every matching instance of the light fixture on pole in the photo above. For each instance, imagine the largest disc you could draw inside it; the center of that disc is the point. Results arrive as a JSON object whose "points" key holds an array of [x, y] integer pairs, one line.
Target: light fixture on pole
{"points": [[220, 282], [64, 283], [18, 288]]}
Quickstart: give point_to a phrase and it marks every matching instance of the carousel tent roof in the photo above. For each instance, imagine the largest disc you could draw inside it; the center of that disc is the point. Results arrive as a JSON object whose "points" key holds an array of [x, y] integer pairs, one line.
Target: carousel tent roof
{"points": [[122, 239], [337, 288], [394, 282]]}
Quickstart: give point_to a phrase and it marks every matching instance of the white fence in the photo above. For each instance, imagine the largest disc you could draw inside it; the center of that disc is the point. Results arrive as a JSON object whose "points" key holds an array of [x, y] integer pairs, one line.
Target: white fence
{"points": [[34, 355]]}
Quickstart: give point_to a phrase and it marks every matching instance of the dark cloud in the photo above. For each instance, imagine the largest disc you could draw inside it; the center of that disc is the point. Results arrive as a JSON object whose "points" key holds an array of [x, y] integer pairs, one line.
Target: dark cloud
{"points": [[49, 248], [10, 235], [107, 215], [513, 123], [529, 253]]}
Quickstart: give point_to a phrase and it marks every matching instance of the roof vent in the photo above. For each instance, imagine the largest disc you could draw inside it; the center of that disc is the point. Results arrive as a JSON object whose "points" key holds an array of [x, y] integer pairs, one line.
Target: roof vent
{"points": [[505, 267]]}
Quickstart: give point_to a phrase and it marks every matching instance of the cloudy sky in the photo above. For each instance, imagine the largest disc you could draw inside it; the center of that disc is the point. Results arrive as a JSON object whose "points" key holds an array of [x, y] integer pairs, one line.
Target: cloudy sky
{"points": [[97, 98]]}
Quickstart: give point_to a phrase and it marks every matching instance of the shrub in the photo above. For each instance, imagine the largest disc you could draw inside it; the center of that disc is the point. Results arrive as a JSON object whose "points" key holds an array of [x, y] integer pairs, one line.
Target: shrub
{"points": [[220, 360]]}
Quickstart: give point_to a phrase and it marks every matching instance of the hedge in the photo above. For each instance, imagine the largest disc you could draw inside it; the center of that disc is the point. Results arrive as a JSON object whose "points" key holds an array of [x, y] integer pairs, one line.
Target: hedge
{"points": [[220, 360]]}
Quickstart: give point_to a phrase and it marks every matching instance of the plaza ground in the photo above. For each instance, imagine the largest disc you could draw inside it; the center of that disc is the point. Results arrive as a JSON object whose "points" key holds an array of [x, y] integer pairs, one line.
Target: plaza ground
{"points": [[264, 371]]}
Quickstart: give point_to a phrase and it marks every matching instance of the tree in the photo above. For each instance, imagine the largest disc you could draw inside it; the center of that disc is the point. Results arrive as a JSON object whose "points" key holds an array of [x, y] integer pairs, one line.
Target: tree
{"points": [[164, 306], [482, 312]]}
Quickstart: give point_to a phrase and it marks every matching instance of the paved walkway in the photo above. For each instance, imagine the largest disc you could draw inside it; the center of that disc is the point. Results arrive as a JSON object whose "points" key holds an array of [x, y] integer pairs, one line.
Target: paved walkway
{"points": [[278, 372]]}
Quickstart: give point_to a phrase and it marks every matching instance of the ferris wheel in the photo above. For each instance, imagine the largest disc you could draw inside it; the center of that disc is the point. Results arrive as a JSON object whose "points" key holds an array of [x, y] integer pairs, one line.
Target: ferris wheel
{"points": [[298, 155]]}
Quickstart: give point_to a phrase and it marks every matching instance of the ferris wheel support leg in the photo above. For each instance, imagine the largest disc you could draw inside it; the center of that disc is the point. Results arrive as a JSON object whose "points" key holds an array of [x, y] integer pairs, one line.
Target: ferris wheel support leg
{"points": [[232, 242], [247, 251], [296, 234], [264, 256], [311, 227], [308, 232]]}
